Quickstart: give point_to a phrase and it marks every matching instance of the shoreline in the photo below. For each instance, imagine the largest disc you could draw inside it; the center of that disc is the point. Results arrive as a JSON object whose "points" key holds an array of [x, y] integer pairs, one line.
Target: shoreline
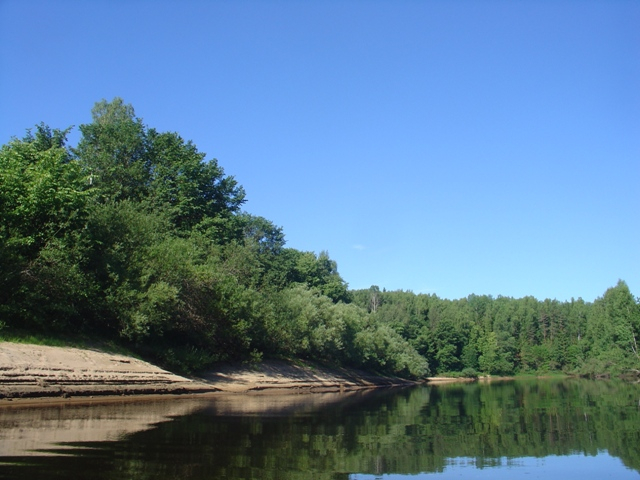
{"points": [[36, 374], [44, 375]]}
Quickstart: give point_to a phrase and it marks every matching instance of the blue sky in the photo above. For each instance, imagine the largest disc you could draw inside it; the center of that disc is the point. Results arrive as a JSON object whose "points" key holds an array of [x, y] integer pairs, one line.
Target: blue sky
{"points": [[447, 147]]}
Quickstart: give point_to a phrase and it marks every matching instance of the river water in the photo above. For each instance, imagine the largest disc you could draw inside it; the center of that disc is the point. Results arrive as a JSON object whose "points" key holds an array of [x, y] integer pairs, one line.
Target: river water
{"points": [[545, 428]]}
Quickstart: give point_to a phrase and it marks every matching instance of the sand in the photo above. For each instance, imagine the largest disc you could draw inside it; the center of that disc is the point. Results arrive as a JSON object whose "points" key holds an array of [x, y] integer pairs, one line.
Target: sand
{"points": [[65, 373]]}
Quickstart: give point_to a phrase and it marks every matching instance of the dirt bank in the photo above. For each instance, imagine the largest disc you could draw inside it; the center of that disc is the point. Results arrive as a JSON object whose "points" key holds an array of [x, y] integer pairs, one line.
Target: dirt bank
{"points": [[35, 371]]}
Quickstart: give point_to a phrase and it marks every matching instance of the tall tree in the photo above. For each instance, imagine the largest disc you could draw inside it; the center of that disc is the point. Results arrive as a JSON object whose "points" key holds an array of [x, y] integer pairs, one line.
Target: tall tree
{"points": [[321, 273], [43, 206], [615, 322], [113, 151], [126, 160], [181, 180]]}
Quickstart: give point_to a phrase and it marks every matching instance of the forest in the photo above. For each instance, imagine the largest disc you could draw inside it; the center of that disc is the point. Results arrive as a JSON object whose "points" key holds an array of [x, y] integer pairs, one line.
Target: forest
{"points": [[135, 236]]}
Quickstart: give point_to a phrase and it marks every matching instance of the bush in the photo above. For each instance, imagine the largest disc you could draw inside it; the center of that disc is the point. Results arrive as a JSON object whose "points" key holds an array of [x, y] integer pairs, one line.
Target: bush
{"points": [[469, 373]]}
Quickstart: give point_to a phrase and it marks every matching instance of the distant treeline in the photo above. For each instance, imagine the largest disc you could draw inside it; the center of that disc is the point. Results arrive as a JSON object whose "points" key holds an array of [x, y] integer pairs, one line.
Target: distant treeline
{"points": [[503, 335], [134, 235]]}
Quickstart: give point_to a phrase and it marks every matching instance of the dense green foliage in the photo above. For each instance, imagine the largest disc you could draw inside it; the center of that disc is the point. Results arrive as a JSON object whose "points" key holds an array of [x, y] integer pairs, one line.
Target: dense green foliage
{"points": [[503, 336], [133, 234]]}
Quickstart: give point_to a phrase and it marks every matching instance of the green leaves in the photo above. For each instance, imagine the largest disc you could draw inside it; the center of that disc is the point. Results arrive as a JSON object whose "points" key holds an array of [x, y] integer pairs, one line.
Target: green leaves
{"points": [[136, 233], [112, 152], [506, 335], [189, 187], [321, 273], [126, 160], [613, 328], [42, 194], [43, 204]]}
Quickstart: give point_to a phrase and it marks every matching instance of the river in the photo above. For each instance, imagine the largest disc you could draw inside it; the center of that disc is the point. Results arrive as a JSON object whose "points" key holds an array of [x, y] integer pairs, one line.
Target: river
{"points": [[538, 428]]}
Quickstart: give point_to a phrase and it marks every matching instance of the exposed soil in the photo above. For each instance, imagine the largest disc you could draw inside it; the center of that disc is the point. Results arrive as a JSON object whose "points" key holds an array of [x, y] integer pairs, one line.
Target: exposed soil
{"points": [[36, 372]]}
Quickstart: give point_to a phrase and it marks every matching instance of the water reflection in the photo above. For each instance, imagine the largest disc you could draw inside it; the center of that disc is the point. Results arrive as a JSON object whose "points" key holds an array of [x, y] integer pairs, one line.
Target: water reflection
{"points": [[33, 430], [571, 467], [533, 428], [41, 430]]}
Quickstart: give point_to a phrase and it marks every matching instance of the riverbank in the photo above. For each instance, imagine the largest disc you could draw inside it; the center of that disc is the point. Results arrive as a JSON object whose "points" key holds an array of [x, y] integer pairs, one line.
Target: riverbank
{"points": [[65, 373]]}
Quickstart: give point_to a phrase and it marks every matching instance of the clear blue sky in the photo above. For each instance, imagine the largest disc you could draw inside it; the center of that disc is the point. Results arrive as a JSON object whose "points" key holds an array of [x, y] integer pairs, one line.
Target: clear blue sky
{"points": [[447, 147]]}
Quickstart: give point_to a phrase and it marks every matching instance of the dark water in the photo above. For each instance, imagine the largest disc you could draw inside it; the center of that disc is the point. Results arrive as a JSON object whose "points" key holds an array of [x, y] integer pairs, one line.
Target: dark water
{"points": [[518, 429]]}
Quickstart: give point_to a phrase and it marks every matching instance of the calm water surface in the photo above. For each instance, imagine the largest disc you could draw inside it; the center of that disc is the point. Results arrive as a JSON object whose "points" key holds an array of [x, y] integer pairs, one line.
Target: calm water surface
{"points": [[517, 429]]}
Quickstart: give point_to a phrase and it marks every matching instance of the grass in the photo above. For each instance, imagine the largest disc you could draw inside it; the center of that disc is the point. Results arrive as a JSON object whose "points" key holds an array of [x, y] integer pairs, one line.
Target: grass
{"points": [[74, 341]]}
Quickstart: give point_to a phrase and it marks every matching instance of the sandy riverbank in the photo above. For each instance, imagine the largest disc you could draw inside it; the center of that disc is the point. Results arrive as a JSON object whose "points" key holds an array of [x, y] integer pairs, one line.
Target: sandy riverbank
{"points": [[41, 372]]}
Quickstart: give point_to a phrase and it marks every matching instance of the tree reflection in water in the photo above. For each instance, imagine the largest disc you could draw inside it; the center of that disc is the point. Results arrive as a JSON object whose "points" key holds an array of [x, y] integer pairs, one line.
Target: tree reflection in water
{"points": [[508, 428]]}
